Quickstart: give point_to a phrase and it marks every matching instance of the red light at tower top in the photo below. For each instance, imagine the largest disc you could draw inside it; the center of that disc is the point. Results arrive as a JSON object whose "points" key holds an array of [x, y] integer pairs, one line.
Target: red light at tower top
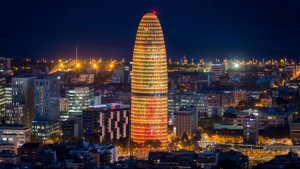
{"points": [[154, 12]]}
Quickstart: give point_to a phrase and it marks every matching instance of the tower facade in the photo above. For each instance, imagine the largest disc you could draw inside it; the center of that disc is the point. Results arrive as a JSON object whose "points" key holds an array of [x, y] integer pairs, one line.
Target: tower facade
{"points": [[149, 86]]}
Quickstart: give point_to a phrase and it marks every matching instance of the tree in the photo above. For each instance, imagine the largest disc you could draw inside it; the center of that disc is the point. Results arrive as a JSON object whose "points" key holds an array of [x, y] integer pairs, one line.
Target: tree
{"points": [[184, 137], [152, 143], [197, 135]]}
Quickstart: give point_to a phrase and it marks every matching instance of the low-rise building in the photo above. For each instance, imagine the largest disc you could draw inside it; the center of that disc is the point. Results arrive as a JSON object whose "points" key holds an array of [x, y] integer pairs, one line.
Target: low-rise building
{"points": [[5, 145], [103, 153], [14, 113], [42, 129], [295, 132], [31, 151], [15, 133], [266, 118], [208, 159], [7, 156]]}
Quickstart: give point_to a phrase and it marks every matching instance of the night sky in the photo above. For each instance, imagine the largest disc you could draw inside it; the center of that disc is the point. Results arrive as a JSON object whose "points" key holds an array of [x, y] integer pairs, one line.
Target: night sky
{"points": [[107, 28]]}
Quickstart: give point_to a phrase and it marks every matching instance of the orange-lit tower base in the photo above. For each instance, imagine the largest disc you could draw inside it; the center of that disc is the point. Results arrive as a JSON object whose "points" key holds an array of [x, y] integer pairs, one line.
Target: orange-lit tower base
{"points": [[149, 85]]}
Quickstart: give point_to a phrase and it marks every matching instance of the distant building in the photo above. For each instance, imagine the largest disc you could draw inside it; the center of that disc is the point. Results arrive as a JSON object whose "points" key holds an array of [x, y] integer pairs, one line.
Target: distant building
{"points": [[237, 96], [208, 159], [5, 62], [46, 108], [14, 113], [48, 157], [186, 120], [295, 132], [63, 108], [23, 94], [15, 133], [177, 99], [72, 129], [31, 151], [8, 94], [7, 156], [79, 97], [63, 104], [250, 129], [6, 145], [98, 99], [290, 161], [228, 129], [103, 153], [121, 75], [2, 97], [87, 78], [266, 101], [46, 98], [267, 118], [172, 159], [219, 69], [43, 128], [106, 122], [214, 104], [292, 70]]}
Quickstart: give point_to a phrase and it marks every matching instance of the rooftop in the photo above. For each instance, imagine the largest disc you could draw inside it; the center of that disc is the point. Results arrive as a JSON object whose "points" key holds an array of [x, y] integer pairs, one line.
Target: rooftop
{"points": [[111, 106], [13, 126]]}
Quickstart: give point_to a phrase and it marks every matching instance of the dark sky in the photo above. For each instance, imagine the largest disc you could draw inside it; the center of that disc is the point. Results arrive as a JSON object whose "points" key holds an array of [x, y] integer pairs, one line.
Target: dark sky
{"points": [[106, 28]]}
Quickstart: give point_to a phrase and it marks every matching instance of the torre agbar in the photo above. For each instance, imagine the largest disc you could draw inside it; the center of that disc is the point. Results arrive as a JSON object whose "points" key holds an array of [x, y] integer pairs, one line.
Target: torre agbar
{"points": [[149, 84]]}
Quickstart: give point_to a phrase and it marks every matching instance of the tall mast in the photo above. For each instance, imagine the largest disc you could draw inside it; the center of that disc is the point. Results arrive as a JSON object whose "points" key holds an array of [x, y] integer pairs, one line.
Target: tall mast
{"points": [[76, 52]]}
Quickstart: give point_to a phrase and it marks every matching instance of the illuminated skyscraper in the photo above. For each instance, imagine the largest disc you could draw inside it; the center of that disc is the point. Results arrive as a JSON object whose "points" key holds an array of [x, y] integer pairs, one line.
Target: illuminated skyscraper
{"points": [[149, 83]]}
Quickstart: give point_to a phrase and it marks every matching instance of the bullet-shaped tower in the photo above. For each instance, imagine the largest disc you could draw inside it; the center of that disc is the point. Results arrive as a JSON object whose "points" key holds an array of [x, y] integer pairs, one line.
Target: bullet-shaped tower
{"points": [[149, 86]]}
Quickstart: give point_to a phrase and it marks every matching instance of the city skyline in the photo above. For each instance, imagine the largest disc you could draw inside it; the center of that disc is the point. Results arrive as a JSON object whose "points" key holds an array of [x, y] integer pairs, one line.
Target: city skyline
{"points": [[149, 84], [197, 29]]}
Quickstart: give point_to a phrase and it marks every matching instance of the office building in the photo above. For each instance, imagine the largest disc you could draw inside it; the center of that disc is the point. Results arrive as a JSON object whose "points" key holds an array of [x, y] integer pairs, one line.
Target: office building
{"points": [[106, 122], [15, 133], [8, 94], [186, 120], [46, 98], [79, 97], [149, 85], [43, 128], [219, 69], [63, 108], [72, 129], [14, 113], [23, 94], [178, 99], [121, 75]]}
